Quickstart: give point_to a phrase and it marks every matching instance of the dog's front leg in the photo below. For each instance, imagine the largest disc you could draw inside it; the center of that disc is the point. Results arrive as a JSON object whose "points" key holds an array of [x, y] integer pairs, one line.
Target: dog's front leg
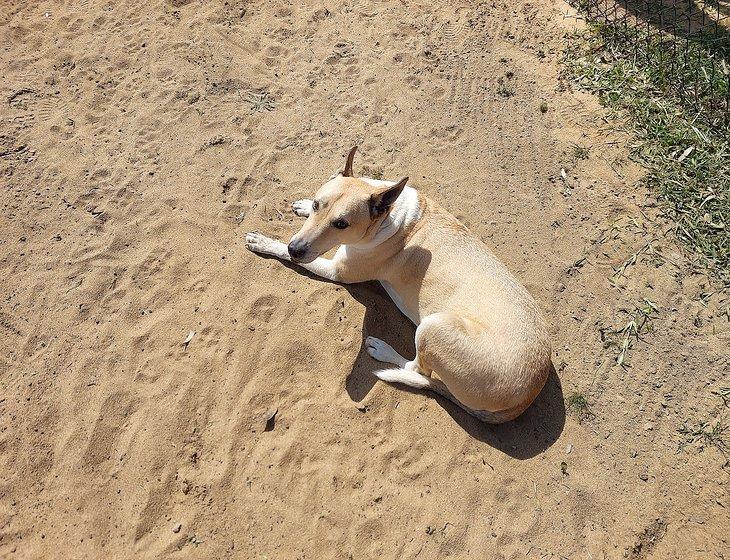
{"points": [[266, 246], [302, 207]]}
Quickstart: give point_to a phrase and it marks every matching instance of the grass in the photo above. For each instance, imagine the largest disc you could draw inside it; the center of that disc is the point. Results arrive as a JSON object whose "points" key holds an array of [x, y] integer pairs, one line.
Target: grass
{"points": [[724, 394], [650, 251], [581, 152], [623, 339], [577, 404], [260, 101], [505, 90], [620, 271], [686, 153], [576, 266], [705, 435], [372, 172], [708, 434]]}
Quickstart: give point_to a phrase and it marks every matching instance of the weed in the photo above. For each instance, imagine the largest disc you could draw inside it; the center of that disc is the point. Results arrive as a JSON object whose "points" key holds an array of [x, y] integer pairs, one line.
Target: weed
{"points": [[724, 394], [260, 101], [639, 323], [373, 172], [580, 152], [505, 91], [619, 226], [576, 266], [620, 271], [577, 404], [705, 435]]}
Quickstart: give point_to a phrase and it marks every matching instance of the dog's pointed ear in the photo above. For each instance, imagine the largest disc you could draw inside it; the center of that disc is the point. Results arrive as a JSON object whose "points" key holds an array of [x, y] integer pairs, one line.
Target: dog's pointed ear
{"points": [[348, 164], [383, 199]]}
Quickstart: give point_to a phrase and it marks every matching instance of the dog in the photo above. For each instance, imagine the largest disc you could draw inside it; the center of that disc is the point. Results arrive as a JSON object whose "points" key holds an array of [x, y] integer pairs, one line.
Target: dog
{"points": [[481, 340]]}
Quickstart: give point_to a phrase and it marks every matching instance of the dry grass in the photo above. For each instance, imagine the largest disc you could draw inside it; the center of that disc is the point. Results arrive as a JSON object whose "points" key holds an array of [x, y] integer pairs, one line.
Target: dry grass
{"points": [[623, 338]]}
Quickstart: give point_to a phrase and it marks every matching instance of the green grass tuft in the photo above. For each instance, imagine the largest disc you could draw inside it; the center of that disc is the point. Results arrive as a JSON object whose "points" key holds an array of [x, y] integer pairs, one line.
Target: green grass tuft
{"points": [[581, 152], [505, 90], [577, 404]]}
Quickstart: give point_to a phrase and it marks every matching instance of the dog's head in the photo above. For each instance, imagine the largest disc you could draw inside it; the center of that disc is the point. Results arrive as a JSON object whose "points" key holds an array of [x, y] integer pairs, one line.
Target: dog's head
{"points": [[345, 211]]}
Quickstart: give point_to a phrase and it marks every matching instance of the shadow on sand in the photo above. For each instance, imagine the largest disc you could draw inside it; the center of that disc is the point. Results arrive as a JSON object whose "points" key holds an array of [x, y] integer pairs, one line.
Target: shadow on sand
{"points": [[525, 437]]}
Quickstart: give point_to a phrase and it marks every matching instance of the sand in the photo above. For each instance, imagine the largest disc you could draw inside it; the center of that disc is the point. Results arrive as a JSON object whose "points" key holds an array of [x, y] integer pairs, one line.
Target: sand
{"points": [[139, 141]]}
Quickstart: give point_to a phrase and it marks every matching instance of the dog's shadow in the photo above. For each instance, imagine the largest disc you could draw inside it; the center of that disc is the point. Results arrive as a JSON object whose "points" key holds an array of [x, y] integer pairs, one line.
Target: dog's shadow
{"points": [[528, 435]]}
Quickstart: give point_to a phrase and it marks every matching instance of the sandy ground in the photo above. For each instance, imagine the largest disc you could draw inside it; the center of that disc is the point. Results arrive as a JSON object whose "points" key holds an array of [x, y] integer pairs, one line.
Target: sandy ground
{"points": [[139, 141]]}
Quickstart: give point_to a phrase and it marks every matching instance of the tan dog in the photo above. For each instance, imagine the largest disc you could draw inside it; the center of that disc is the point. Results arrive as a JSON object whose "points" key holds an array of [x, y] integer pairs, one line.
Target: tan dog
{"points": [[479, 330]]}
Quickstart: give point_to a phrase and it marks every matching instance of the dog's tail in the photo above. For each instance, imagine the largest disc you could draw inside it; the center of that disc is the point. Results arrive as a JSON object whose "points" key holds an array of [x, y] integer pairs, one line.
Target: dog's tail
{"points": [[416, 380]]}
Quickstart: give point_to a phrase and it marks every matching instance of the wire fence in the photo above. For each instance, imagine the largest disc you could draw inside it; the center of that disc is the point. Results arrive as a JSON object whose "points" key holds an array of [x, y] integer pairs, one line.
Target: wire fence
{"points": [[685, 45]]}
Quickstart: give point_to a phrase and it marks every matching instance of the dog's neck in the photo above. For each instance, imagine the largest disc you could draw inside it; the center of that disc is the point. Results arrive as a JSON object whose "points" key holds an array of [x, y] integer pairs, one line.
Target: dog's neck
{"points": [[405, 212]]}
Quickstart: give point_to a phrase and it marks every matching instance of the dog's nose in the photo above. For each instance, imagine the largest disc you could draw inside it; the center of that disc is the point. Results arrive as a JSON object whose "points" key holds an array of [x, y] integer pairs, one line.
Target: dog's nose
{"points": [[296, 250]]}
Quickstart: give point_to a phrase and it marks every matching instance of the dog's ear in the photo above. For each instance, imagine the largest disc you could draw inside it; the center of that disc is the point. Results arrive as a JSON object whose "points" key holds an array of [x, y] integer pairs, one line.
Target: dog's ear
{"points": [[382, 200], [348, 164]]}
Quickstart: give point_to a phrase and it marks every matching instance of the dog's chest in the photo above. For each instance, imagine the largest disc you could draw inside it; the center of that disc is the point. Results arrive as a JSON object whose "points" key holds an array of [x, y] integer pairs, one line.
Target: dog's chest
{"points": [[399, 303]]}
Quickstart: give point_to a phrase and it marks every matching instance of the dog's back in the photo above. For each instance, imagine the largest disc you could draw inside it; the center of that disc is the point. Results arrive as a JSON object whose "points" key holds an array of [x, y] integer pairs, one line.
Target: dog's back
{"points": [[480, 328]]}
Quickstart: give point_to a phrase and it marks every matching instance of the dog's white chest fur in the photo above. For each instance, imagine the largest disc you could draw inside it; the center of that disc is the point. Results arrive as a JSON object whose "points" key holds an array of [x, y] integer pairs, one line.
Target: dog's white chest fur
{"points": [[406, 210], [415, 319]]}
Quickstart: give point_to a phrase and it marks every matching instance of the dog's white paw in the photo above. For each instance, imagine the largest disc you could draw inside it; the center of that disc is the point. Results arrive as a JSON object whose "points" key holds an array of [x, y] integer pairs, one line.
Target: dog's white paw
{"points": [[261, 244], [302, 207], [383, 352]]}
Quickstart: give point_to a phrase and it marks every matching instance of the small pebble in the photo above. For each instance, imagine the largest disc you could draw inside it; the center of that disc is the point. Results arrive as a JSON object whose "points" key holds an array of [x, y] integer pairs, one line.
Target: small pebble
{"points": [[177, 527], [270, 419]]}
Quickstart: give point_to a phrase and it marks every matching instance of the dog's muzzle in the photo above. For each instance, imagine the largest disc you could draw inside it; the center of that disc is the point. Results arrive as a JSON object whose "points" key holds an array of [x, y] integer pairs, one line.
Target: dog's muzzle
{"points": [[297, 250]]}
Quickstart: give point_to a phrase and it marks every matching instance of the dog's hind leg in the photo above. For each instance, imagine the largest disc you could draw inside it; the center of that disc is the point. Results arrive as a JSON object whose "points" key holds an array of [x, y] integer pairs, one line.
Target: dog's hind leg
{"points": [[384, 352], [455, 349]]}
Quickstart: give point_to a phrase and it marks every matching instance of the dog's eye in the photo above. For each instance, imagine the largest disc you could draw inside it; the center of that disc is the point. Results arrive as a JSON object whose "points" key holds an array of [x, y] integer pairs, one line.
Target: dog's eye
{"points": [[315, 205], [340, 224]]}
